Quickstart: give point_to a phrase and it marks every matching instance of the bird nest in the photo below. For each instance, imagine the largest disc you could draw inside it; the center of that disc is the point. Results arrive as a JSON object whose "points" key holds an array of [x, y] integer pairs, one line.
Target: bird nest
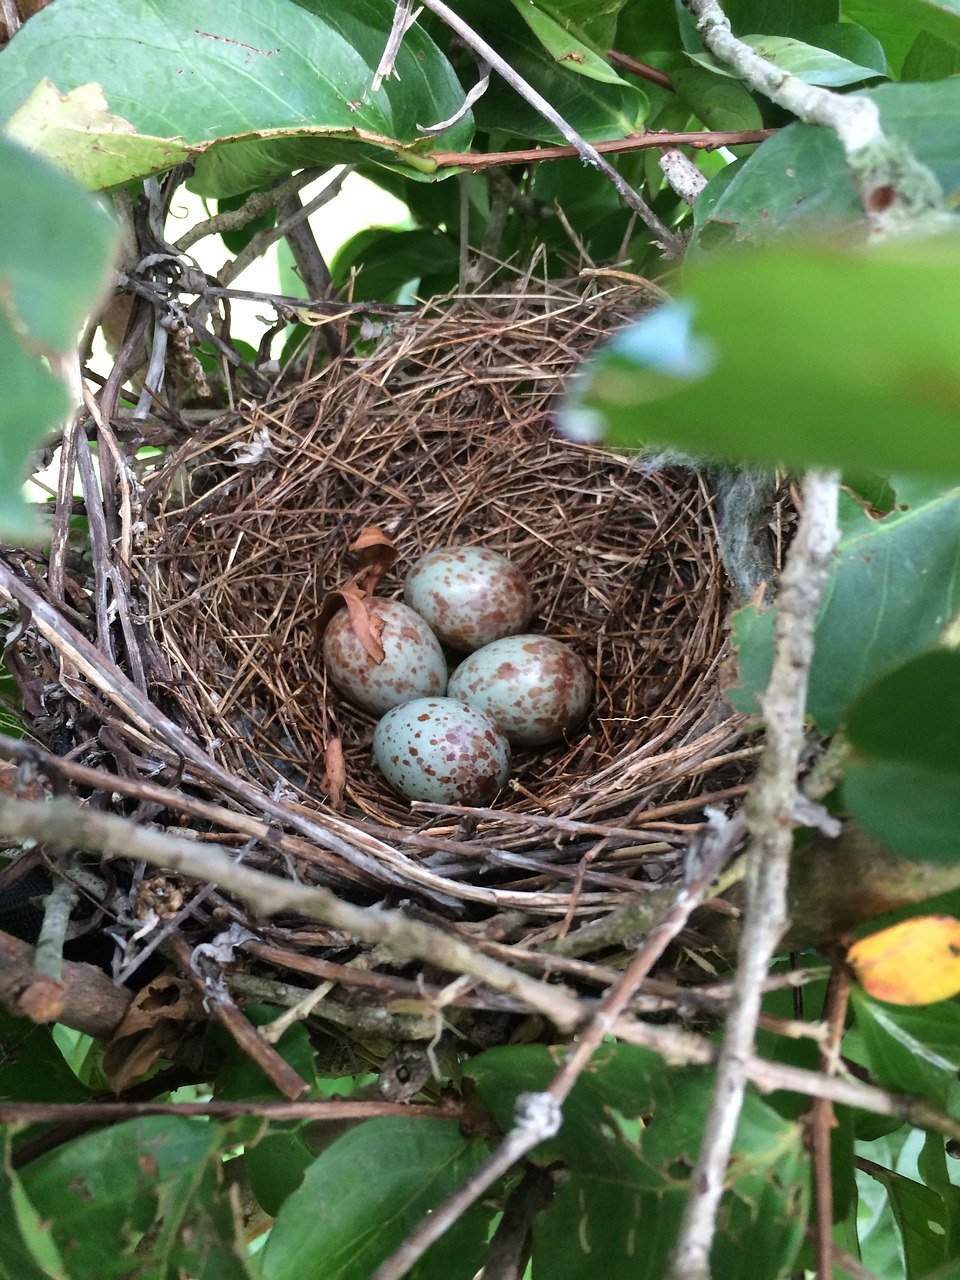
{"points": [[442, 433]]}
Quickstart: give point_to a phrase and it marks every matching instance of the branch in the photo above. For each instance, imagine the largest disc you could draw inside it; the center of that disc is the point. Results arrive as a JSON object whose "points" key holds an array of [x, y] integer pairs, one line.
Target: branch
{"points": [[670, 243], [61, 824], [702, 140], [898, 193], [769, 813]]}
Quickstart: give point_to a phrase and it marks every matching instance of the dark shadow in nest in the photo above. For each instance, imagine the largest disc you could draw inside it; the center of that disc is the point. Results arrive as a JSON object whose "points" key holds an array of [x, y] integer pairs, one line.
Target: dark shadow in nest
{"points": [[443, 436]]}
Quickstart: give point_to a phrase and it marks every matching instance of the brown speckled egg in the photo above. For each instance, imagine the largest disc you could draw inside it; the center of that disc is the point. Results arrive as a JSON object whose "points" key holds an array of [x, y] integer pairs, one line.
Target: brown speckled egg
{"points": [[535, 688], [413, 664], [470, 596], [441, 749]]}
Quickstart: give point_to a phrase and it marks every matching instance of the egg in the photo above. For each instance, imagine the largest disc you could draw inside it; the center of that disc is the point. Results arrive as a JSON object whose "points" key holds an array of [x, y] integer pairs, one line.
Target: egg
{"points": [[535, 688], [470, 596], [413, 665], [441, 749]]}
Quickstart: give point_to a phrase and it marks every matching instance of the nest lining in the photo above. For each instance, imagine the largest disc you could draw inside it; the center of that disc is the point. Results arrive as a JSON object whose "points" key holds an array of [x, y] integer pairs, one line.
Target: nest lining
{"points": [[443, 435]]}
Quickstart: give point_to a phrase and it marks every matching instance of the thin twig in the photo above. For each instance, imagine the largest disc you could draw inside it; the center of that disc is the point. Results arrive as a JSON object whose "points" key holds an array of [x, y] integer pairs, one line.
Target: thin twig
{"points": [[670, 243], [769, 813], [265, 238], [256, 203], [403, 20], [701, 140], [537, 1112], [642, 69], [61, 824], [822, 1117]]}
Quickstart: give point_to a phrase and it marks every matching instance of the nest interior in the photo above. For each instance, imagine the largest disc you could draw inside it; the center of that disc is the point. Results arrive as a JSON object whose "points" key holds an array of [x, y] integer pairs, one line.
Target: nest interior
{"points": [[443, 434]]}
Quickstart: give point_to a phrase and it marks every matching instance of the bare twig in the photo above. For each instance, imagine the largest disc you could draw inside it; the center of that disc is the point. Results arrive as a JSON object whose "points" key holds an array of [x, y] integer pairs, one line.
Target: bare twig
{"points": [[403, 20], [265, 238], [670, 243], [64, 825], [641, 69], [769, 813], [682, 174], [473, 95], [701, 140], [539, 1114], [256, 203], [822, 1118]]}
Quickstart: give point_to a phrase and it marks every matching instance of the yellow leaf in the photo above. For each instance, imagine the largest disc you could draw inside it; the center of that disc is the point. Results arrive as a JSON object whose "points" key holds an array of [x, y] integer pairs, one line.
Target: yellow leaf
{"points": [[914, 962]]}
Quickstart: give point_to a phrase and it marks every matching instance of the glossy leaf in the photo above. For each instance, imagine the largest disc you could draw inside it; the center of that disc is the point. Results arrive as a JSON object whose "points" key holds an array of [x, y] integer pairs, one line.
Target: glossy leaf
{"points": [[595, 20], [903, 783], [103, 1191], [54, 253], [597, 111], [721, 103], [931, 58], [892, 589], [809, 363], [928, 1221], [360, 1199], [192, 75], [32, 1068], [381, 261], [757, 203], [910, 1050], [896, 23], [565, 45], [780, 17], [808, 63]]}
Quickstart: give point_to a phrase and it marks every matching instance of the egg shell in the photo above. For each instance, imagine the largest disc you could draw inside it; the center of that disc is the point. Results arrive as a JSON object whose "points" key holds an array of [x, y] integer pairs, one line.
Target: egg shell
{"points": [[470, 596], [535, 688], [413, 664], [441, 749]]}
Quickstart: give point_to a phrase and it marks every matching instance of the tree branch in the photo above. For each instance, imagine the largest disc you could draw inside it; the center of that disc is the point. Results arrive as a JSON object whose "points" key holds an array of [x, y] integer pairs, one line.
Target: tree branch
{"points": [[769, 813], [899, 194]]}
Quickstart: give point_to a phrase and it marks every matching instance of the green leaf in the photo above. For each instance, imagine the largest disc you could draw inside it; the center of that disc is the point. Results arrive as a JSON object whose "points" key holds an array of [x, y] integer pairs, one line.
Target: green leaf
{"points": [[892, 589], [597, 111], [54, 253], [910, 1049], [563, 44], [385, 260], [819, 195], [77, 132], [805, 61], [719, 102], [780, 17], [926, 1219], [903, 784], [32, 1068], [931, 58], [897, 23], [810, 362], [595, 20], [254, 69], [632, 1127], [104, 1191], [361, 1198], [276, 1165], [849, 41], [27, 1250]]}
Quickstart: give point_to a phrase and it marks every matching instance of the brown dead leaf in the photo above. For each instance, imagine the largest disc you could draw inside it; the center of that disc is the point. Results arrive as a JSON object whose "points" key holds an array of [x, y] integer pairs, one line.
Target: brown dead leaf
{"points": [[367, 627], [158, 1019], [335, 773], [374, 553]]}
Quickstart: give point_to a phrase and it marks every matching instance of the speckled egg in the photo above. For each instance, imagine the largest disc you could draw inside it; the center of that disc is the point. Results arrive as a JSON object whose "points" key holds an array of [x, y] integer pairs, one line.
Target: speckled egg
{"points": [[441, 749], [535, 688], [469, 595], [413, 664]]}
